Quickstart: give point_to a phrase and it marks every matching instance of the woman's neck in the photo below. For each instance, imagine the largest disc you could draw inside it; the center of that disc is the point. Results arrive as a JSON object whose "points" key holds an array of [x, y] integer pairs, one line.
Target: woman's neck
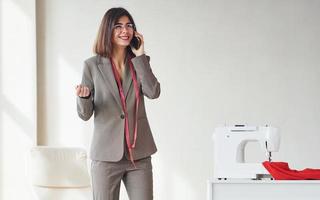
{"points": [[118, 56]]}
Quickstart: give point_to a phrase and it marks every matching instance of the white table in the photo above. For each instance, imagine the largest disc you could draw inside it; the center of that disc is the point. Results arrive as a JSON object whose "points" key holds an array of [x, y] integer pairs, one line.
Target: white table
{"points": [[242, 189]]}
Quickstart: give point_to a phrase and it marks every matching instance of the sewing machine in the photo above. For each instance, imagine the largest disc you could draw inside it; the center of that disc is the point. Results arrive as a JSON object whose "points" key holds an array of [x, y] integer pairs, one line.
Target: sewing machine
{"points": [[229, 149], [236, 179]]}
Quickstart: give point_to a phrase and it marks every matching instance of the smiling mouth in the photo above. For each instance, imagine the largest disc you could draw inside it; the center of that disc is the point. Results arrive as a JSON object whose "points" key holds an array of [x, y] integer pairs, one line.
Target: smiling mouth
{"points": [[124, 37]]}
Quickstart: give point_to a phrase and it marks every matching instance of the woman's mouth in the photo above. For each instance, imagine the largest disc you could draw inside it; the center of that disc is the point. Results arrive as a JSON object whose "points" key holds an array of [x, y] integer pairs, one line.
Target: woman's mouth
{"points": [[124, 37]]}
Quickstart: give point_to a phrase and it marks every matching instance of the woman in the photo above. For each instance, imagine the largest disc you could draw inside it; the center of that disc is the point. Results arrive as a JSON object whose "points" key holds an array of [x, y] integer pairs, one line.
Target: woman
{"points": [[113, 87]]}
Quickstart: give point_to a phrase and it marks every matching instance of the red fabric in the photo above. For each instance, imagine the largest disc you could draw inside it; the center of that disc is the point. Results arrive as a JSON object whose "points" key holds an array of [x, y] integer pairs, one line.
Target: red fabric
{"points": [[281, 171]]}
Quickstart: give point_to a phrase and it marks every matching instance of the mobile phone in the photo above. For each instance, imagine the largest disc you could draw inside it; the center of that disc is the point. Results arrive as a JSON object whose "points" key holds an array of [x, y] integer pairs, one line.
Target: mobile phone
{"points": [[135, 42]]}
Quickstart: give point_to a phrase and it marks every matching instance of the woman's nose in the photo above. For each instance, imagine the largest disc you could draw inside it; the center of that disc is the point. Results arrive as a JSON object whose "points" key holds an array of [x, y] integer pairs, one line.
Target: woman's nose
{"points": [[124, 29]]}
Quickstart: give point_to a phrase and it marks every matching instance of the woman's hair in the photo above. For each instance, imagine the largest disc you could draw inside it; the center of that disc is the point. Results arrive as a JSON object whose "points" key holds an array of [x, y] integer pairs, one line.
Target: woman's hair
{"points": [[103, 45]]}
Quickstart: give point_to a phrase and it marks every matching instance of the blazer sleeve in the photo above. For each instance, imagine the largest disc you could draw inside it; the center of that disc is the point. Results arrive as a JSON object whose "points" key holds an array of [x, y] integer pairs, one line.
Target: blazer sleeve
{"points": [[85, 105], [149, 83]]}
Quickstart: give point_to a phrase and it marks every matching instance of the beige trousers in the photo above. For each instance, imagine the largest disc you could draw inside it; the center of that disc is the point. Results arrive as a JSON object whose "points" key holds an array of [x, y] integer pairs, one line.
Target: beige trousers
{"points": [[107, 176]]}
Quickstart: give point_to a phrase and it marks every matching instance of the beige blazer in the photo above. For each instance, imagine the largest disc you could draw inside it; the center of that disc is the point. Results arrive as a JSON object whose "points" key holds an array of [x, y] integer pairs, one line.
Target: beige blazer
{"points": [[108, 142]]}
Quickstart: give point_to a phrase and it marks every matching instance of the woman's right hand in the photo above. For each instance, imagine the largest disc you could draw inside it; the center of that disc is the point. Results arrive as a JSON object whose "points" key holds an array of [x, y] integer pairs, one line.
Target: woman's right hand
{"points": [[82, 91]]}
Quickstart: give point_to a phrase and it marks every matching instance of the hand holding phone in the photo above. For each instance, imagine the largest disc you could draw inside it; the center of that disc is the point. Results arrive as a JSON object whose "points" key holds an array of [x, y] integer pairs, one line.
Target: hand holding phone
{"points": [[137, 44]]}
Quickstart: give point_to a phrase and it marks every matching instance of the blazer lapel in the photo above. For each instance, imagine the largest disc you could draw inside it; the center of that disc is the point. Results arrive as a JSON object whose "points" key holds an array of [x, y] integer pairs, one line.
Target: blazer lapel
{"points": [[105, 68], [127, 79]]}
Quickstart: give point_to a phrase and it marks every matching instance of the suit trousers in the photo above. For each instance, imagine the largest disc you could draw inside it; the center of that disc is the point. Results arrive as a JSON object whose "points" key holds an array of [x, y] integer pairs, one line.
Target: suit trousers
{"points": [[107, 176]]}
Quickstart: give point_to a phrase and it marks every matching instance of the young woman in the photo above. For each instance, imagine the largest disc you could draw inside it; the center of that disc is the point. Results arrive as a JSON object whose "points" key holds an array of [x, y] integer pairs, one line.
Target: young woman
{"points": [[113, 87]]}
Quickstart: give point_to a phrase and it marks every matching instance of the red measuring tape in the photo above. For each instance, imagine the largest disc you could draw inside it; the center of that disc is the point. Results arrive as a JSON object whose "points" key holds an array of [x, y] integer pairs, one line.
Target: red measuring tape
{"points": [[130, 145]]}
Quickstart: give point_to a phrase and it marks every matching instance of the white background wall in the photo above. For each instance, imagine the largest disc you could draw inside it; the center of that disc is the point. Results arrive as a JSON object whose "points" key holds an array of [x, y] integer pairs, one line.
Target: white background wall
{"points": [[219, 62], [17, 95]]}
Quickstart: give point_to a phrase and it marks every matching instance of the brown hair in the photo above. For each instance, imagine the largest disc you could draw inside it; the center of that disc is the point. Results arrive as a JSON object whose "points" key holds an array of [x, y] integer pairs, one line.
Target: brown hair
{"points": [[103, 45]]}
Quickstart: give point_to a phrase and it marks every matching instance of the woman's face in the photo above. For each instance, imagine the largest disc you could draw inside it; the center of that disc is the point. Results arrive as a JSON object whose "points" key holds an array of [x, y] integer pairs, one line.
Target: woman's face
{"points": [[122, 32]]}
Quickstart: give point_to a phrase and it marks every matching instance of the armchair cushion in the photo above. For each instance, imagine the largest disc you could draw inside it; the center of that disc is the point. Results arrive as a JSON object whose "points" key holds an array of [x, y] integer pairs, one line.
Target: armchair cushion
{"points": [[59, 167]]}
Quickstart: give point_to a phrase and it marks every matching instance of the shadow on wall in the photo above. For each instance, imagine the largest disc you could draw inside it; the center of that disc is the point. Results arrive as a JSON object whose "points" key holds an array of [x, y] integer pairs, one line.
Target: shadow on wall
{"points": [[62, 61], [12, 117], [57, 115]]}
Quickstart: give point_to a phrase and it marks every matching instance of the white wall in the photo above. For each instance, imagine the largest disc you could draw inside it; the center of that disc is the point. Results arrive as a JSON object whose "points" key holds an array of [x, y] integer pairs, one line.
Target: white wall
{"points": [[17, 95], [219, 62]]}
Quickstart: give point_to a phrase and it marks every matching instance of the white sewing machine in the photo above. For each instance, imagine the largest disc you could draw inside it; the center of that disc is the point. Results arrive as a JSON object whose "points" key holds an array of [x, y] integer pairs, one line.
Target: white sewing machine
{"points": [[229, 148], [236, 179]]}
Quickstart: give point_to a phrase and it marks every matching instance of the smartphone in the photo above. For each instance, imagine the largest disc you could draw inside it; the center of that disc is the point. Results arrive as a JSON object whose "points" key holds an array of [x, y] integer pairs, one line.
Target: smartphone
{"points": [[135, 42]]}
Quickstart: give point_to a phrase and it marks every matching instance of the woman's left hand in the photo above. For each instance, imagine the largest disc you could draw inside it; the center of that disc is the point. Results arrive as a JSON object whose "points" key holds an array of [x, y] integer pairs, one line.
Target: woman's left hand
{"points": [[140, 50]]}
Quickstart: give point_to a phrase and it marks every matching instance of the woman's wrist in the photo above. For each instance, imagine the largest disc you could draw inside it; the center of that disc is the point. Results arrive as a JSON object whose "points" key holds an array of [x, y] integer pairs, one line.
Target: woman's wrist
{"points": [[139, 54]]}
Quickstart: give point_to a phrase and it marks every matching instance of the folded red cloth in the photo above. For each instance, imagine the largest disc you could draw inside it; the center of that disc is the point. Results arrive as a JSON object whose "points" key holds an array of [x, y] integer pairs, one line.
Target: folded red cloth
{"points": [[281, 171]]}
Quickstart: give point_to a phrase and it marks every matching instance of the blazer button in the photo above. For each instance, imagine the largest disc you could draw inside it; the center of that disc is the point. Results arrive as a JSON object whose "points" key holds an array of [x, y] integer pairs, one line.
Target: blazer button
{"points": [[122, 116]]}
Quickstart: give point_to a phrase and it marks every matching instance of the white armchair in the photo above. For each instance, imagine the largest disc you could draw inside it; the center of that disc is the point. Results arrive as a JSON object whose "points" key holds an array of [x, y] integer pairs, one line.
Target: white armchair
{"points": [[59, 173]]}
